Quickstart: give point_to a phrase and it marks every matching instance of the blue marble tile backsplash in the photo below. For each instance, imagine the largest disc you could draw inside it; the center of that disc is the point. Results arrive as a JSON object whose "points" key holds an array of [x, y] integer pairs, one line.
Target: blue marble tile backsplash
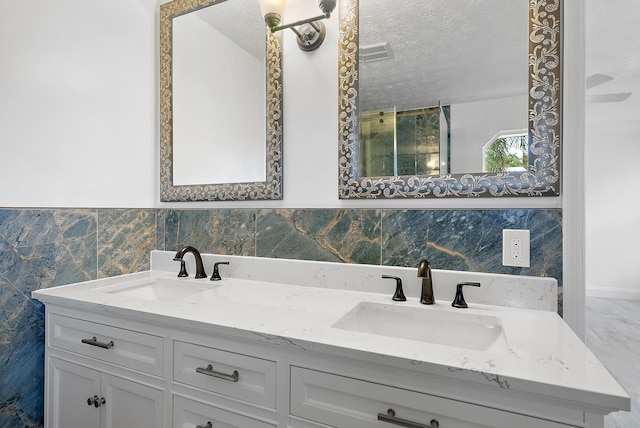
{"points": [[41, 248], [45, 248]]}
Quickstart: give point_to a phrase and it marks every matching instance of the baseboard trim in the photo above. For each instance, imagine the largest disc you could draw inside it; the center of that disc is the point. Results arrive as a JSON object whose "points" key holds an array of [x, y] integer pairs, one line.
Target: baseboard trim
{"points": [[614, 293]]}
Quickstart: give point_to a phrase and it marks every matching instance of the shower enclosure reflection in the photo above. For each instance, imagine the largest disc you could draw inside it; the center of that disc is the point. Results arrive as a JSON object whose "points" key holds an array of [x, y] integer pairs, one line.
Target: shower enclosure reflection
{"points": [[412, 142]]}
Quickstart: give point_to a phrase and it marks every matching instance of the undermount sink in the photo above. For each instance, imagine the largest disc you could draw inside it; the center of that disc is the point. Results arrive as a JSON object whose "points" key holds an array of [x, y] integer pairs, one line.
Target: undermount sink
{"points": [[427, 324], [159, 289]]}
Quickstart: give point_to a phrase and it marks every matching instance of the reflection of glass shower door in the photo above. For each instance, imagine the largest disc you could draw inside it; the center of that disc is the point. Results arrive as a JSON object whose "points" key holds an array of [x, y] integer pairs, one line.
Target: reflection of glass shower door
{"points": [[412, 142], [378, 144], [418, 135]]}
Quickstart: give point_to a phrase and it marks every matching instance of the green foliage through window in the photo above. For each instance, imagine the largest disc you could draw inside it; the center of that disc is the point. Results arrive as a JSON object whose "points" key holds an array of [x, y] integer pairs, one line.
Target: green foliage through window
{"points": [[507, 153]]}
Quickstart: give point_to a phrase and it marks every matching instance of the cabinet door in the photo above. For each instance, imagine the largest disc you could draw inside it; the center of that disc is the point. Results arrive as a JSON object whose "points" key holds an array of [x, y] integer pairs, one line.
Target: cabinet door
{"points": [[68, 389], [130, 404]]}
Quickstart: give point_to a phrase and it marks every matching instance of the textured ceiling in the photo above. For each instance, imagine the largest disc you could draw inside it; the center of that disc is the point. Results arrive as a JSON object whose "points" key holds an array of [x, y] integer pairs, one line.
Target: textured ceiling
{"points": [[241, 21], [447, 51]]}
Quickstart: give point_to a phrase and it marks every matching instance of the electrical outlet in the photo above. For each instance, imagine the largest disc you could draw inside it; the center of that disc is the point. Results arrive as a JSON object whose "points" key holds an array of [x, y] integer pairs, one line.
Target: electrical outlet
{"points": [[515, 248]]}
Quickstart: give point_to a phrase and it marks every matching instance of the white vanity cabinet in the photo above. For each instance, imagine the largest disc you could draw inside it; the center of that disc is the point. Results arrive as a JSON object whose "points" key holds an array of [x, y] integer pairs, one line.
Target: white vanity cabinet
{"points": [[247, 354], [137, 374], [93, 375], [243, 377], [104, 371], [70, 387], [341, 401], [85, 398], [223, 383]]}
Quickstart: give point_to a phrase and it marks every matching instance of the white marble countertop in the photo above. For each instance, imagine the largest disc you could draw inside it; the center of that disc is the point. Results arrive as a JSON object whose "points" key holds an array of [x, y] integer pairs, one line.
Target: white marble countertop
{"points": [[544, 356]]}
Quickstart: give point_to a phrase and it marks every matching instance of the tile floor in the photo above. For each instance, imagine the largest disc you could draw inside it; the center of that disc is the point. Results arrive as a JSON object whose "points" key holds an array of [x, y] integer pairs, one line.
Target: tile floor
{"points": [[613, 335]]}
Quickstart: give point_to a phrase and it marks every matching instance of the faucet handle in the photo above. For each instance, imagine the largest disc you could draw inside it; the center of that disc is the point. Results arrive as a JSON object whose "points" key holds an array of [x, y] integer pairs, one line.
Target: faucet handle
{"points": [[216, 272], [398, 296], [183, 269], [458, 301]]}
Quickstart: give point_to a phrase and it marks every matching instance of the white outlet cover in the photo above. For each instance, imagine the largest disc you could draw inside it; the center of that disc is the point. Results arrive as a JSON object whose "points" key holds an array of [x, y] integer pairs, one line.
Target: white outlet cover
{"points": [[507, 255]]}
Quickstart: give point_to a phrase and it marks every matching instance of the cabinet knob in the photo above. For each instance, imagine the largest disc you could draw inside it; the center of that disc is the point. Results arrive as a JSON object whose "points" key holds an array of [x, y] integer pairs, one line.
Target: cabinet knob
{"points": [[208, 425], [95, 401]]}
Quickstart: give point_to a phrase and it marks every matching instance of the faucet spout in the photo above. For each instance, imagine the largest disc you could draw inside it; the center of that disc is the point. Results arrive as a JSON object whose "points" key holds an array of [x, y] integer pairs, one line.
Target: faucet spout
{"points": [[424, 272], [200, 273]]}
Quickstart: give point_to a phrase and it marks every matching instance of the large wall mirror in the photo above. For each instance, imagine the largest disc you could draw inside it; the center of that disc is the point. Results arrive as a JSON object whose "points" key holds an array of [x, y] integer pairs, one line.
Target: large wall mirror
{"points": [[449, 98], [220, 102]]}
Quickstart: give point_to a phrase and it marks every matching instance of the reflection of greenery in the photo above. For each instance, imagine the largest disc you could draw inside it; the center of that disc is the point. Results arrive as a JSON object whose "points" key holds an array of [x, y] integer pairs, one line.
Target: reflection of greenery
{"points": [[507, 152]]}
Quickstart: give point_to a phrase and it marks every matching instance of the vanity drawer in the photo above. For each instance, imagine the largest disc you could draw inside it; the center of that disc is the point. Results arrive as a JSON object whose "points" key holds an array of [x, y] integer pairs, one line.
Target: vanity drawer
{"points": [[345, 402], [127, 348], [213, 370], [188, 414]]}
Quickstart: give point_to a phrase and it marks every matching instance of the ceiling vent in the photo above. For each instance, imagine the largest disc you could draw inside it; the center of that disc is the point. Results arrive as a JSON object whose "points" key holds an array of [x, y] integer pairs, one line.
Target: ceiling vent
{"points": [[378, 52]]}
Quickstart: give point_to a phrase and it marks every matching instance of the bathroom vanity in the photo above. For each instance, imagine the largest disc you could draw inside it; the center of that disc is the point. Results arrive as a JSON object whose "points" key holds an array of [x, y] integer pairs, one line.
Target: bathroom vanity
{"points": [[281, 343]]}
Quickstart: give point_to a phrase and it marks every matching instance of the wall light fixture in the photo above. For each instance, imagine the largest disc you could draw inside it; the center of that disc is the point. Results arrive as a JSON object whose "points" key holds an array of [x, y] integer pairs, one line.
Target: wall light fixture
{"points": [[310, 32]]}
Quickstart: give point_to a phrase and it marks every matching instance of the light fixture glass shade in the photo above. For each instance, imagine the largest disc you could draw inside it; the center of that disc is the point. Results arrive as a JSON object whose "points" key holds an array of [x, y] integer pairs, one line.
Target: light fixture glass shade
{"points": [[272, 6], [327, 6]]}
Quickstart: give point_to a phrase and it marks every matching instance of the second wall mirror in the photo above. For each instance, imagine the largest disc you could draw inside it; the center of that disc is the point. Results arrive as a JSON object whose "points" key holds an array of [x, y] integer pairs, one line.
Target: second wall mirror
{"points": [[220, 102], [449, 98]]}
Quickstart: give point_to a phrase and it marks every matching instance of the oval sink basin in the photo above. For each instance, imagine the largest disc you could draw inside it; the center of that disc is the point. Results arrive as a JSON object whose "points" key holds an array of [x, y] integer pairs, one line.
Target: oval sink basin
{"points": [[159, 289], [430, 325]]}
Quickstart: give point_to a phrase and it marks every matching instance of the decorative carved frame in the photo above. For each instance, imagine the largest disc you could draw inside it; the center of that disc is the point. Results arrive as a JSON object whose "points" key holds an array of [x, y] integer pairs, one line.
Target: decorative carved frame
{"points": [[269, 189], [543, 176]]}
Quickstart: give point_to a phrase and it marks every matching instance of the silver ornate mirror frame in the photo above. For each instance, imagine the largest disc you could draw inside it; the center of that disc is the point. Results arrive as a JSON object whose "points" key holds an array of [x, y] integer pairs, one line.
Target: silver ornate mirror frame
{"points": [[271, 188], [543, 176]]}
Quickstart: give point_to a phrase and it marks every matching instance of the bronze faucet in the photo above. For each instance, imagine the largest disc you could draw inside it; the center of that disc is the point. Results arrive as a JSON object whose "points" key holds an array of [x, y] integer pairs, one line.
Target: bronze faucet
{"points": [[424, 272], [200, 273]]}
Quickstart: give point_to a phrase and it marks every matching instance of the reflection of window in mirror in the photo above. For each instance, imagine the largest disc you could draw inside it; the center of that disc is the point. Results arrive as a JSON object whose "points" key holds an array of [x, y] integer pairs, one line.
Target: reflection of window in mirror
{"points": [[411, 142], [506, 151]]}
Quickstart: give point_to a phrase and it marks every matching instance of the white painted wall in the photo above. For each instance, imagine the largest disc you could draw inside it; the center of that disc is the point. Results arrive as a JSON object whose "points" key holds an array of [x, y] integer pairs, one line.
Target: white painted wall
{"points": [[612, 215], [613, 233], [613, 152], [77, 103]]}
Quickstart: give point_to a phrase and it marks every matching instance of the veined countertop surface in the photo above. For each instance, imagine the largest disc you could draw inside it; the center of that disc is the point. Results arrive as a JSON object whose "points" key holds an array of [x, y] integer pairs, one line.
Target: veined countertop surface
{"points": [[543, 355]]}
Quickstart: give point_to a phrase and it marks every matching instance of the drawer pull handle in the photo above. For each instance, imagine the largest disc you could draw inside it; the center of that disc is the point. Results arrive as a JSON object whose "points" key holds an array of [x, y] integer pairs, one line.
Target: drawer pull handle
{"points": [[208, 425], [210, 372], [94, 342], [95, 401], [391, 418]]}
